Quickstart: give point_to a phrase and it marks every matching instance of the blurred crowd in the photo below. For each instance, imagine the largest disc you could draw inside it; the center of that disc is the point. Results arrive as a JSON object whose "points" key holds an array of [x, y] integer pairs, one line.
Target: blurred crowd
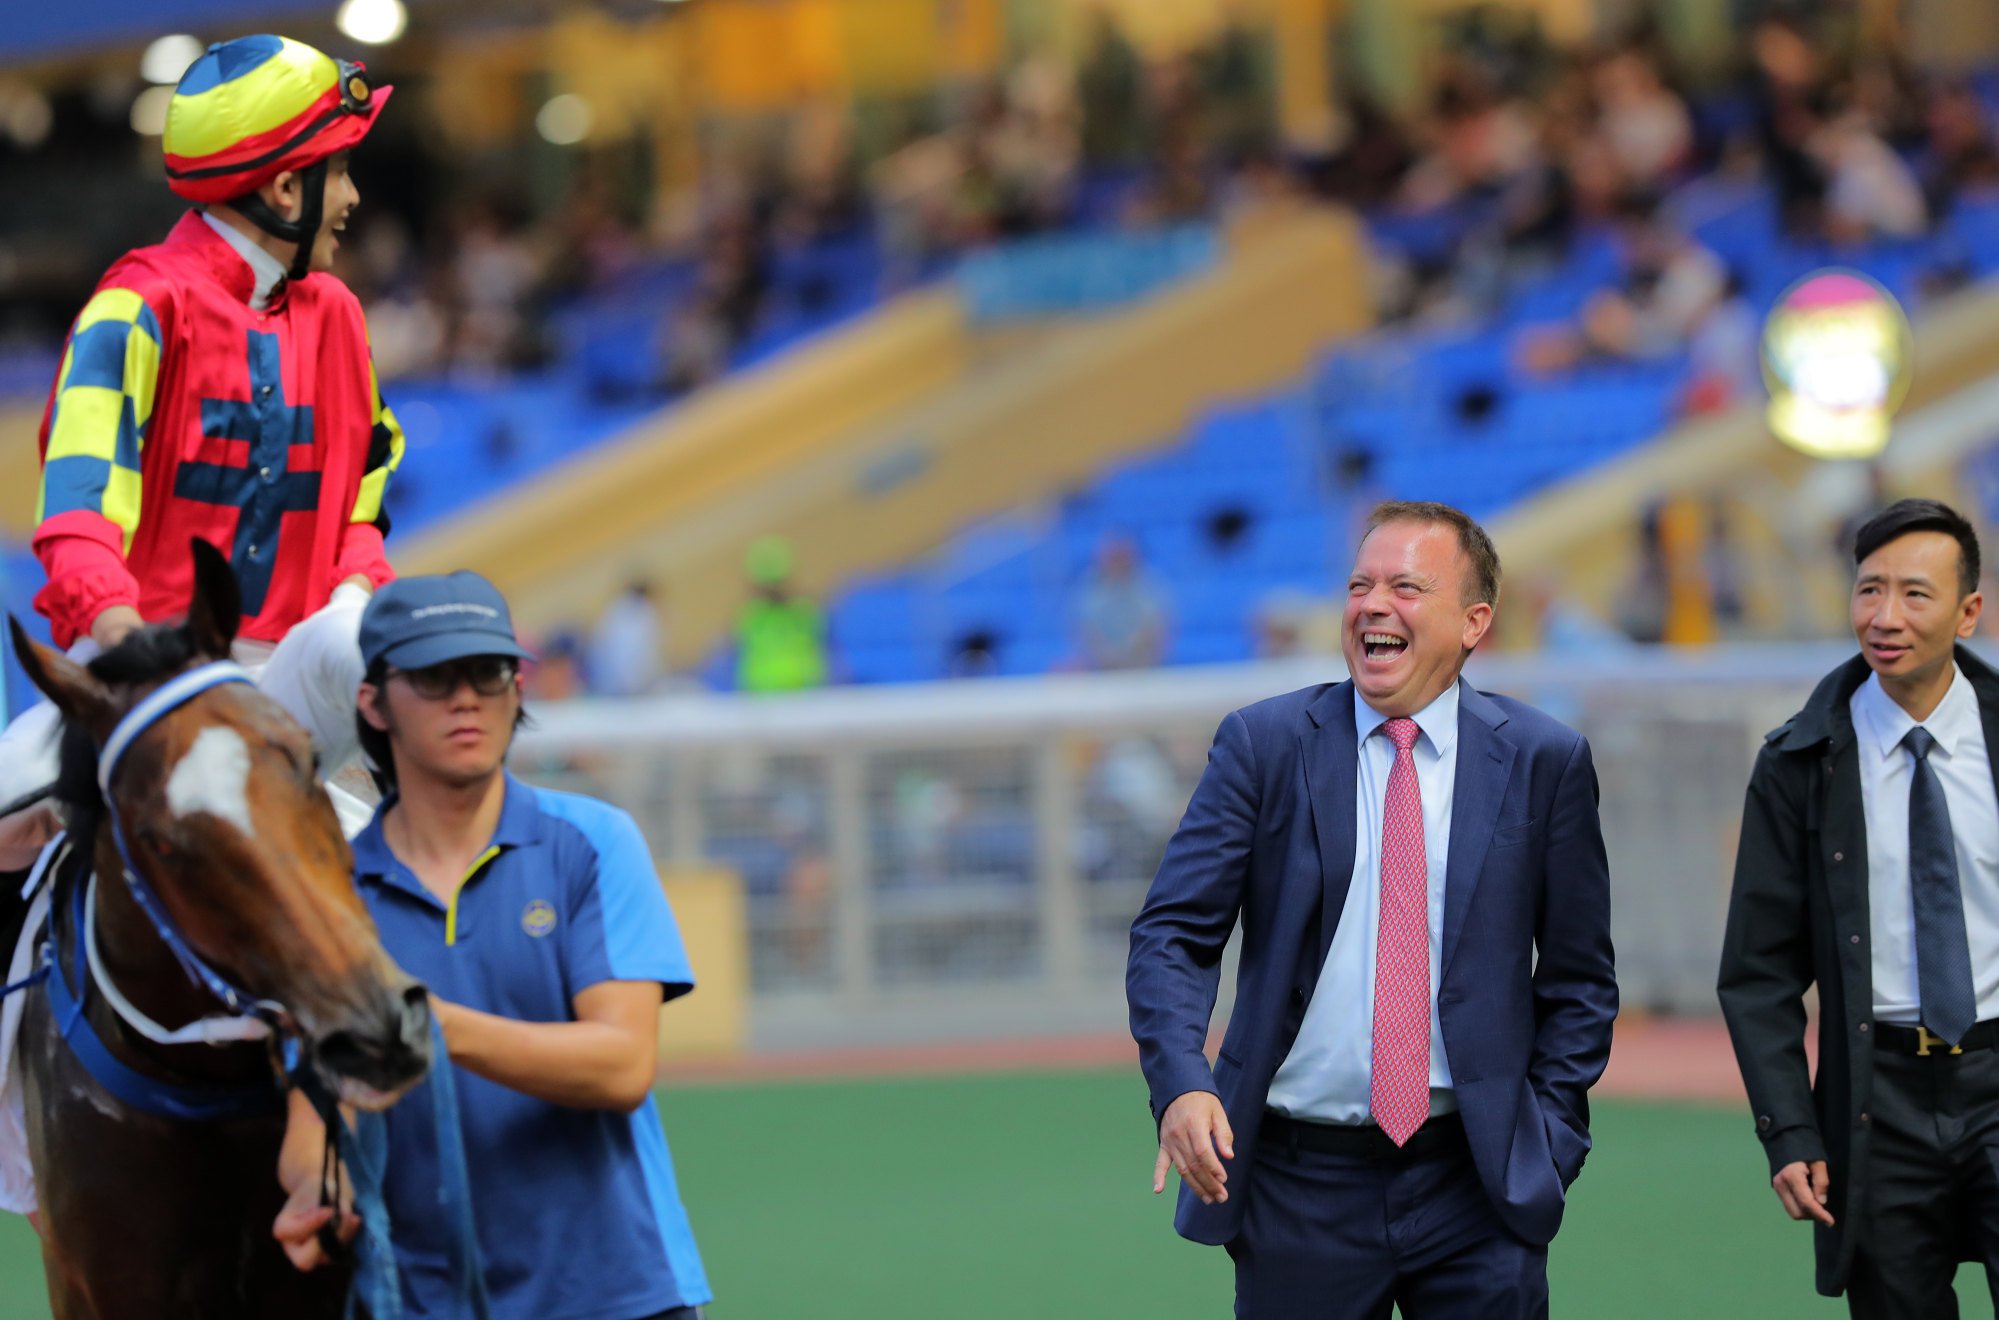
{"points": [[1513, 149], [1116, 139], [1515, 152], [1523, 148]]}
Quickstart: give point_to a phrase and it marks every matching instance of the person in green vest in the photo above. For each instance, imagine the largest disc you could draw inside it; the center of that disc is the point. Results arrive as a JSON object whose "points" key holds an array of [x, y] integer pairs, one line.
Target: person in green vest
{"points": [[780, 637]]}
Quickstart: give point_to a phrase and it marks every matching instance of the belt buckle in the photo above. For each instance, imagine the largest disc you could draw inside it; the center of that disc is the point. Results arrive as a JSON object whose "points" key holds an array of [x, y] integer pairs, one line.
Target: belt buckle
{"points": [[1925, 1039]]}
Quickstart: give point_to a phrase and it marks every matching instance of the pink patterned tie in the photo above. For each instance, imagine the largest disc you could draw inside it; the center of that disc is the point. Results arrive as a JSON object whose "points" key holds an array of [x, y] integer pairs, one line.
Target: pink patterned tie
{"points": [[1400, 1090]]}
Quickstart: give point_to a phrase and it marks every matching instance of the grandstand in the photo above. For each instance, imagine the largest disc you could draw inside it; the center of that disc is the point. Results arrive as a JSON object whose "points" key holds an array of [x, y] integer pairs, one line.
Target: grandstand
{"points": [[950, 415]]}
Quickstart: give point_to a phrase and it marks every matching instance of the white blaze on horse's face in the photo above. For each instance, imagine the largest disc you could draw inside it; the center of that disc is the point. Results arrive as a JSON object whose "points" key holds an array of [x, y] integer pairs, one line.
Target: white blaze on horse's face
{"points": [[214, 777]]}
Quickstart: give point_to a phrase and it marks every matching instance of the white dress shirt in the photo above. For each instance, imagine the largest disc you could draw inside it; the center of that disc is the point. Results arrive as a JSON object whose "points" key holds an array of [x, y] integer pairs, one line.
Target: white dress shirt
{"points": [[1964, 770], [265, 269], [1327, 1075]]}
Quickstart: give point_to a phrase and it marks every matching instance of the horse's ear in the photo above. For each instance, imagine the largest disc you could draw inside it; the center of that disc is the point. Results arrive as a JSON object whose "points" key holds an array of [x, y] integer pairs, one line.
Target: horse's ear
{"points": [[74, 689], [217, 609]]}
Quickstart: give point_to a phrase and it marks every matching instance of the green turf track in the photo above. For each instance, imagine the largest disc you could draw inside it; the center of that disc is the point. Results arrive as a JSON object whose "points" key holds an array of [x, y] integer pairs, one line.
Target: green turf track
{"points": [[976, 1197]]}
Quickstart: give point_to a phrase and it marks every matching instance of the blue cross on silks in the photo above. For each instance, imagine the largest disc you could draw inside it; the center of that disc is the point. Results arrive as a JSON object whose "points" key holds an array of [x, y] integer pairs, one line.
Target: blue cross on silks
{"points": [[264, 490]]}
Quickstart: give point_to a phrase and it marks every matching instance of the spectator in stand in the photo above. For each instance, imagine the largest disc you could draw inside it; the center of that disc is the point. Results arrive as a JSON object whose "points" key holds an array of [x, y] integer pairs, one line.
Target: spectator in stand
{"points": [[1963, 154], [1682, 547], [1645, 127], [1121, 617], [1367, 155], [1724, 362], [781, 643], [736, 274], [820, 198], [1870, 191], [627, 644], [1480, 138], [1561, 625], [1037, 143], [1671, 288], [1111, 87], [494, 269], [556, 673], [1787, 88], [695, 346], [1726, 570], [1235, 84], [1645, 600]]}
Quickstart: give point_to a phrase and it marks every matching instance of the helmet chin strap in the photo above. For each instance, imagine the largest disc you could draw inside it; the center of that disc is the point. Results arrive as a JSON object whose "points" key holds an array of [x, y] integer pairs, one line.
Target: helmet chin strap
{"points": [[302, 231]]}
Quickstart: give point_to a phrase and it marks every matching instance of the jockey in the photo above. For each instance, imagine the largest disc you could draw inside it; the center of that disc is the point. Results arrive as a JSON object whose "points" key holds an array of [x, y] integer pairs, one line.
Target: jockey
{"points": [[219, 385]]}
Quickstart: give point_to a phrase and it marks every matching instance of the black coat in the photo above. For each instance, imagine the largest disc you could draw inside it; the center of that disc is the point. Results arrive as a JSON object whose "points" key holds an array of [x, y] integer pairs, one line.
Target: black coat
{"points": [[1798, 917]]}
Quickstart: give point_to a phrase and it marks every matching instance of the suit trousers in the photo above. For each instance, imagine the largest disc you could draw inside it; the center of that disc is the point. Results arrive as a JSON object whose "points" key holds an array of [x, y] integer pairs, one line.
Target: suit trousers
{"points": [[1932, 1198], [1348, 1236]]}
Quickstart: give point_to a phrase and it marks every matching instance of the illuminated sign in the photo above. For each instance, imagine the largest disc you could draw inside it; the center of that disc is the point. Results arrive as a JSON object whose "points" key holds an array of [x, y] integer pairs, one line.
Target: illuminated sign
{"points": [[1837, 357]]}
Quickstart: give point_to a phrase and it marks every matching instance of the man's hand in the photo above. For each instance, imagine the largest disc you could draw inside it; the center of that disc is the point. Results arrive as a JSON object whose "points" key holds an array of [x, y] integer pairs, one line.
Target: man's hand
{"points": [[1190, 1134], [300, 1159], [297, 1225], [112, 623], [1803, 1189]]}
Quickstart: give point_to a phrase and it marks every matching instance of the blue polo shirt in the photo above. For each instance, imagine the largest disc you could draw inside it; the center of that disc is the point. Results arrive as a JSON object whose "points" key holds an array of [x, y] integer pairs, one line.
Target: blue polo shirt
{"points": [[579, 1214]]}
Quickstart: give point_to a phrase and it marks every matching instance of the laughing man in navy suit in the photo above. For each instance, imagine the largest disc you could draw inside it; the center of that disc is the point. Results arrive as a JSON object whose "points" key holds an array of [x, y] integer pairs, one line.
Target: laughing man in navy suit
{"points": [[1425, 991]]}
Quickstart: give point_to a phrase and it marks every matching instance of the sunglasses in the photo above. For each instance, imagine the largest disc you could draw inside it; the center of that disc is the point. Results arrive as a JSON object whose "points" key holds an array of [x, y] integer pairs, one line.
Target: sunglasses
{"points": [[489, 675]]}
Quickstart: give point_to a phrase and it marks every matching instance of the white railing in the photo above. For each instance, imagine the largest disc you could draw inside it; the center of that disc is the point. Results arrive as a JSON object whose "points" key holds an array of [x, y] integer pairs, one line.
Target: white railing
{"points": [[963, 859]]}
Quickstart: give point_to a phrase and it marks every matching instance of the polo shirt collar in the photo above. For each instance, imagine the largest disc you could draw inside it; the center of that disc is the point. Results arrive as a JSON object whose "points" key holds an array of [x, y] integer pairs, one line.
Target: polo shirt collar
{"points": [[519, 827]]}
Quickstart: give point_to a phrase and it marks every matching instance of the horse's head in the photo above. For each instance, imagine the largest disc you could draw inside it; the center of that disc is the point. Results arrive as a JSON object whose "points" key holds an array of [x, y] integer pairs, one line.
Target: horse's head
{"points": [[224, 816]]}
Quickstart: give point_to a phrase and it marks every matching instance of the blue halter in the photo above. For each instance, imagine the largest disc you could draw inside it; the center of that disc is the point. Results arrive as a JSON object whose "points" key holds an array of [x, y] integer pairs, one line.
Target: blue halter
{"points": [[168, 697]]}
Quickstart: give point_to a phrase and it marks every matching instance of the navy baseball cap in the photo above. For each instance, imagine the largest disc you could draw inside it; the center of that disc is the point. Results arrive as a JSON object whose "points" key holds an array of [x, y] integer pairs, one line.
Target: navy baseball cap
{"points": [[417, 622]]}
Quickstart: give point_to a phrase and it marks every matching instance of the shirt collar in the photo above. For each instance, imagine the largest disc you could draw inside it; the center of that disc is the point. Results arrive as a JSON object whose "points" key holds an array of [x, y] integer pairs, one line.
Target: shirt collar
{"points": [[519, 827], [1885, 723], [266, 271], [1438, 721]]}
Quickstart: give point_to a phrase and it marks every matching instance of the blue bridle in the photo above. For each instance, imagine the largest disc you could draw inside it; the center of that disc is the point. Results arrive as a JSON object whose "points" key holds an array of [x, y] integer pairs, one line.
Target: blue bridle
{"points": [[168, 697]]}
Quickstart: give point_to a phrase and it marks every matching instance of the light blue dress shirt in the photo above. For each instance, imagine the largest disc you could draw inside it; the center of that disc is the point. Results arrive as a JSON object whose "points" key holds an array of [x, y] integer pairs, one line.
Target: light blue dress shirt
{"points": [[1326, 1076], [1964, 770]]}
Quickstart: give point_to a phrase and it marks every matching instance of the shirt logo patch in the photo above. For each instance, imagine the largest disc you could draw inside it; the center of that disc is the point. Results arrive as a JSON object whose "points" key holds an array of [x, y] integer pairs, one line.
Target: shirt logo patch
{"points": [[538, 918]]}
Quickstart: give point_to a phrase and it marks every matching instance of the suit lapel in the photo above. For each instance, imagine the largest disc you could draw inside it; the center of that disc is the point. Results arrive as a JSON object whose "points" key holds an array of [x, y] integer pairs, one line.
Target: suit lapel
{"points": [[1485, 759], [1328, 751]]}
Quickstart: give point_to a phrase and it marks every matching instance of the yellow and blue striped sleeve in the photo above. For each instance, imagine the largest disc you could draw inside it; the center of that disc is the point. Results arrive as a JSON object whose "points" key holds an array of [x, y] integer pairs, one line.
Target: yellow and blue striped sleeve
{"points": [[103, 406], [385, 454]]}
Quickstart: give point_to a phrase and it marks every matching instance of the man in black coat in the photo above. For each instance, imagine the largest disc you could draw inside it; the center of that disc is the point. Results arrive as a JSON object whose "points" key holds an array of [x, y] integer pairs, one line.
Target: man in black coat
{"points": [[1869, 867]]}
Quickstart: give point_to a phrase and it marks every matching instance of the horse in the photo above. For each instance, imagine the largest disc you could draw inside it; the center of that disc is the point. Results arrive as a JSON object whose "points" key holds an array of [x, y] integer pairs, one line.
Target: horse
{"points": [[219, 871]]}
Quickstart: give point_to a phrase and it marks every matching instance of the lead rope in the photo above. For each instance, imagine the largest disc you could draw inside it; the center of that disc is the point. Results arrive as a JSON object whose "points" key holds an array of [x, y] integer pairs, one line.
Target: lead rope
{"points": [[454, 1190], [363, 1151]]}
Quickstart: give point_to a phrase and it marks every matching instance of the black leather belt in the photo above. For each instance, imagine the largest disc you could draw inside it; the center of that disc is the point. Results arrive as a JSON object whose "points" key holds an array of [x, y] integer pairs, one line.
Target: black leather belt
{"points": [[1362, 1139], [1923, 1042]]}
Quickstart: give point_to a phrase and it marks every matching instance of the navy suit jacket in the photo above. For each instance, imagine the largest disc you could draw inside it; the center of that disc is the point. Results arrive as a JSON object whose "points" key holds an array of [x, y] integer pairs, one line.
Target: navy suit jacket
{"points": [[1527, 989]]}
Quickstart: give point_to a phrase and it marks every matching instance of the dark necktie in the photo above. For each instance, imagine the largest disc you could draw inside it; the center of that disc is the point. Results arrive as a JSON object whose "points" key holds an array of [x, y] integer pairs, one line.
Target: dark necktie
{"points": [[1943, 952]]}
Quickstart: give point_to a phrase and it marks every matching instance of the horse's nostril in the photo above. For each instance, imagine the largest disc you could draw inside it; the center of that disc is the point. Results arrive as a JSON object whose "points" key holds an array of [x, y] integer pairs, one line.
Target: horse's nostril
{"points": [[415, 1021], [388, 1053]]}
